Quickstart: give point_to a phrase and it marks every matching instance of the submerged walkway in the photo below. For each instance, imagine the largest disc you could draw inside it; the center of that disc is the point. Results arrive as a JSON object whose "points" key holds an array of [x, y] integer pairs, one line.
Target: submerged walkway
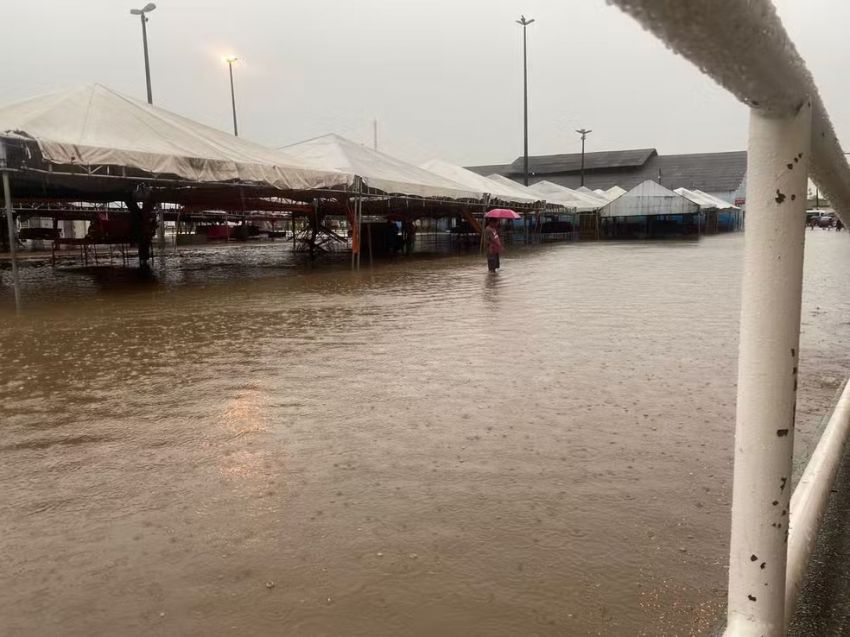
{"points": [[824, 607]]}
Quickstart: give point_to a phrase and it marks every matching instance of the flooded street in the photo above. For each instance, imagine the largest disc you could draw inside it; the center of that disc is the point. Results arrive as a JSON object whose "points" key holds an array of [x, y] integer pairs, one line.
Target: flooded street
{"points": [[246, 446]]}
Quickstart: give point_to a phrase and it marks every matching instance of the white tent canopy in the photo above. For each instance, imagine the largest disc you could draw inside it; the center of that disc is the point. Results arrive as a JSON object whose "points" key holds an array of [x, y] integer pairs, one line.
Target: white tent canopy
{"points": [[705, 203], [722, 204], [705, 200], [567, 196], [600, 198], [502, 191], [614, 191], [507, 181], [649, 199], [93, 126], [378, 170]]}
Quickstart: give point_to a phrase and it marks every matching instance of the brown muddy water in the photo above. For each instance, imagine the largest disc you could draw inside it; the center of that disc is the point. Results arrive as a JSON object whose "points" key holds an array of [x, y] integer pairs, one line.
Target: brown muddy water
{"points": [[245, 446]]}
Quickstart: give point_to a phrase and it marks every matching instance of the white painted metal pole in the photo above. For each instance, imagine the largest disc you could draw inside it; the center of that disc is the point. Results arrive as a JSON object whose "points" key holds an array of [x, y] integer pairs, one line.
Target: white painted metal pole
{"points": [[777, 171], [811, 496], [10, 227]]}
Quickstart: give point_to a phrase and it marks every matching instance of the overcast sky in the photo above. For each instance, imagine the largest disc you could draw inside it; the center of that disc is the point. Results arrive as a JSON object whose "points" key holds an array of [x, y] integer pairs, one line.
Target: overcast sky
{"points": [[442, 77]]}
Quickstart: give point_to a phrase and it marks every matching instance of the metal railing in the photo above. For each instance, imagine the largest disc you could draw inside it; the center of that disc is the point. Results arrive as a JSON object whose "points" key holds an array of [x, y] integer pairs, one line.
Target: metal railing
{"points": [[743, 46]]}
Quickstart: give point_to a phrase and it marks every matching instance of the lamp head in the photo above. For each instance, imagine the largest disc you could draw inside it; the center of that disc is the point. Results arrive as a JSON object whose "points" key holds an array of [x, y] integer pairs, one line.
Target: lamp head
{"points": [[230, 59], [150, 6]]}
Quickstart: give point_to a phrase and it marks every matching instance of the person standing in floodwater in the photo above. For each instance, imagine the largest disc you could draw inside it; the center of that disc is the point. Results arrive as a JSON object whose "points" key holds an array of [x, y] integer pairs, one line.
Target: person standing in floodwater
{"points": [[493, 244]]}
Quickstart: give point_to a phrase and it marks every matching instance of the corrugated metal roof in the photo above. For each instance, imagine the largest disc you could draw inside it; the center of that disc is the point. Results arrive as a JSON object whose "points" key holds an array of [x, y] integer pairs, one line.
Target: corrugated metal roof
{"points": [[608, 159], [709, 172], [491, 169]]}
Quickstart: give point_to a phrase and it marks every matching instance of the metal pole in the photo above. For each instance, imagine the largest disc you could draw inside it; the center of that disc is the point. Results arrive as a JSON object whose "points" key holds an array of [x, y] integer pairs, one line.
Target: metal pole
{"points": [[583, 132], [233, 99], [777, 170], [10, 227], [369, 236], [160, 232], [524, 104], [359, 215], [375, 133], [524, 22], [147, 62], [582, 158]]}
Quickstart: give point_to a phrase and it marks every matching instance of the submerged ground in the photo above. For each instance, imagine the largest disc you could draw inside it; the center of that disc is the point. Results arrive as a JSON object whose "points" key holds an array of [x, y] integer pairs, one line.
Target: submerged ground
{"points": [[249, 446]]}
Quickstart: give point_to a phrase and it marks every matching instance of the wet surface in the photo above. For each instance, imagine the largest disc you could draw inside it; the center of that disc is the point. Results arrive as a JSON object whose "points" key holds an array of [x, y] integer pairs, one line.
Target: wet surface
{"points": [[243, 445]]}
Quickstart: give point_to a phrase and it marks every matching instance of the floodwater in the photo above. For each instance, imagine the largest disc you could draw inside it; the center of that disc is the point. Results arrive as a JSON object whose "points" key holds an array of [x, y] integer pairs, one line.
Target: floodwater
{"points": [[246, 446]]}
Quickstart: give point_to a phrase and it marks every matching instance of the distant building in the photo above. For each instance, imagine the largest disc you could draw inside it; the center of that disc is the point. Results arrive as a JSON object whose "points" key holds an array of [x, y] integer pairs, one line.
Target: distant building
{"points": [[720, 174]]}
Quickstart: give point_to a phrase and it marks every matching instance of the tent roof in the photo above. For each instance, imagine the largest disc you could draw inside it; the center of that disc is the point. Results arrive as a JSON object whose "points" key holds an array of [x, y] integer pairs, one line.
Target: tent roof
{"points": [[584, 190], [378, 170], [506, 181], [701, 200], [615, 191], [93, 126], [722, 204], [503, 191], [565, 195], [649, 199]]}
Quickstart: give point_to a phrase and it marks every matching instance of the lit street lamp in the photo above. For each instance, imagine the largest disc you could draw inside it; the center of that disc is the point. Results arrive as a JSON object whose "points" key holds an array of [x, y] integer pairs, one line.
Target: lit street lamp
{"points": [[230, 59], [584, 133], [524, 22], [150, 6]]}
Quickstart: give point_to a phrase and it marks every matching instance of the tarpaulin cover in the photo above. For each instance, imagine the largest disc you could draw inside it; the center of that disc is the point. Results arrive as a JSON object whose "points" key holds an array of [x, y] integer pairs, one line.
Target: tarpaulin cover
{"points": [[95, 126], [649, 199], [561, 194], [703, 201], [502, 191], [378, 170]]}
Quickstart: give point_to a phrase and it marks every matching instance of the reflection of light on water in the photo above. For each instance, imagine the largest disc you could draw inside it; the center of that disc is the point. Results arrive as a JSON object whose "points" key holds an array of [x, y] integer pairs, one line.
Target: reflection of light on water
{"points": [[245, 414], [242, 464], [243, 417]]}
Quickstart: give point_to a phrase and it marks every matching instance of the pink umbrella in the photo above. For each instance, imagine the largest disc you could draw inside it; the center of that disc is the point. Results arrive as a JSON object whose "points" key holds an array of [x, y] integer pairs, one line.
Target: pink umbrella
{"points": [[501, 213]]}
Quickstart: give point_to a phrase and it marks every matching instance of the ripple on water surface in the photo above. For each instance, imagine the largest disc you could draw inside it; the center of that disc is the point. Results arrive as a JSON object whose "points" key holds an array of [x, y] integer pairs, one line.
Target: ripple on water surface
{"points": [[245, 443]]}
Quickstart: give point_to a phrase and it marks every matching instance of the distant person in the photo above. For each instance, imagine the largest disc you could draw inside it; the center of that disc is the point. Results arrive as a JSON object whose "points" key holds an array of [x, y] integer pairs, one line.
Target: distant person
{"points": [[409, 236], [493, 244], [839, 225], [394, 241]]}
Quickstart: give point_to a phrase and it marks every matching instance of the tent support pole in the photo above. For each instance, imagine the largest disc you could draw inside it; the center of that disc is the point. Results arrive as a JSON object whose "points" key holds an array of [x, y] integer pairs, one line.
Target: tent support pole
{"points": [[359, 230], [10, 228], [369, 234], [160, 231]]}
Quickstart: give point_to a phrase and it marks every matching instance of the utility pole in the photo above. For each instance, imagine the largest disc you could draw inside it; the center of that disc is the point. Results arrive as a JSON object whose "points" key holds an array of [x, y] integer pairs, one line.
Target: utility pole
{"points": [[524, 22], [141, 13], [230, 59], [375, 133], [584, 132]]}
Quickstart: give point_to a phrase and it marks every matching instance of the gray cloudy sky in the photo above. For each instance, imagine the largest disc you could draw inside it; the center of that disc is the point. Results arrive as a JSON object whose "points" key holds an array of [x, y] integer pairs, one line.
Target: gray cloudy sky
{"points": [[443, 77]]}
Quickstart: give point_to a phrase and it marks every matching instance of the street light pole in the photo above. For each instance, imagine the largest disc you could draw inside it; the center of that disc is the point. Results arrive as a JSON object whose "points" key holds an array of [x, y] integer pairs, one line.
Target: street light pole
{"points": [[230, 59], [524, 22], [584, 133], [141, 13]]}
